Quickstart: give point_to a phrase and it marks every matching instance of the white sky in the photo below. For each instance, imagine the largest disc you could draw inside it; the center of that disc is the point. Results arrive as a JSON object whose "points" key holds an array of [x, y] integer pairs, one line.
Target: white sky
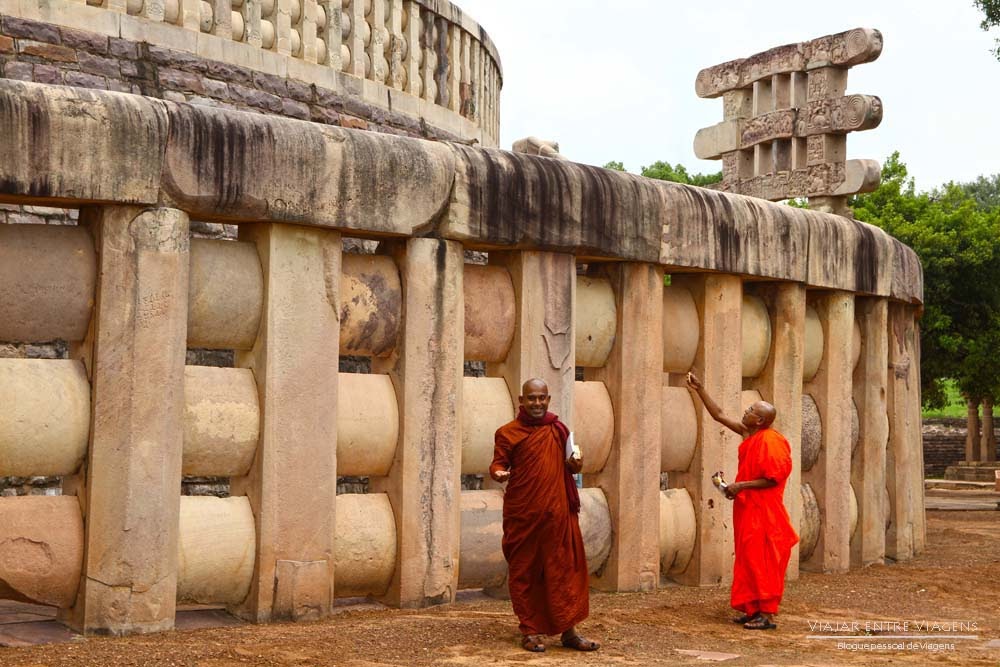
{"points": [[615, 80]]}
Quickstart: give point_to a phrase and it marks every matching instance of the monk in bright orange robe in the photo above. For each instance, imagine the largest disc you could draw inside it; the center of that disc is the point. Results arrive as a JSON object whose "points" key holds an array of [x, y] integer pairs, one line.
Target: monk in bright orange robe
{"points": [[547, 567], [764, 536]]}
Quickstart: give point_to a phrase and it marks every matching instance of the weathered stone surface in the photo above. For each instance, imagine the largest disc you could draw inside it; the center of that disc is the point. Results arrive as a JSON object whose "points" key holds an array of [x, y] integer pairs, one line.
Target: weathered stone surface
{"points": [[482, 564], [597, 528], [489, 312], [302, 172], [296, 367], [215, 550], [134, 468], [596, 319], [79, 144], [844, 114], [486, 406], [593, 424], [827, 179], [855, 256], [41, 549], [46, 417], [677, 530], [845, 49], [371, 305], [48, 276], [755, 324], [513, 199], [226, 295], [367, 424], [365, 551], [679, 429], [539, 147], [221, 421], [812, 433], [680, 329], [813, 344], [809, 525]]}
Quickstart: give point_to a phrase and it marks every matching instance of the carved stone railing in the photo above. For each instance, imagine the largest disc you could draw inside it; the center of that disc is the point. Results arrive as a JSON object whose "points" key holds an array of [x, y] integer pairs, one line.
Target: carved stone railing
{"points": [[423, 58], [814, 312]]}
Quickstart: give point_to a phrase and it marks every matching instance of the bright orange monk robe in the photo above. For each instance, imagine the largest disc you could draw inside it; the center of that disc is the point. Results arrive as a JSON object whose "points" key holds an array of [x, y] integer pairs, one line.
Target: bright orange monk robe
{"points": [[547, 566], [763, 531]]}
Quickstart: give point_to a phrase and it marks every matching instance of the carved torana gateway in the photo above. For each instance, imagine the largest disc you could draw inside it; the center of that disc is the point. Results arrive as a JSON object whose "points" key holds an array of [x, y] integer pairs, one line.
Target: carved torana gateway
{"points": [[139, 130]]}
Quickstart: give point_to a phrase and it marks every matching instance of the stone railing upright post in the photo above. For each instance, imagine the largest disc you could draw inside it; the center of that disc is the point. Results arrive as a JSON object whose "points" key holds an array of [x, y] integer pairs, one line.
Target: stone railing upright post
{"points": [[136, 363], [424, 482], [717, 362], [831, 388], [780, 383], [631, 477], [905, 458], [292, 484], [868, 460], [544, 344]]}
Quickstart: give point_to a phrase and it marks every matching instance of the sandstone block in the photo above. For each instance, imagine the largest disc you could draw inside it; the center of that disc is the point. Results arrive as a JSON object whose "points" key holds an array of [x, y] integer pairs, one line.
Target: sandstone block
{"points": [[482, 564], [46, 420], [593, 424], [41, 549], [367, 424], [680, 329], [215, 550], [226, 295], [365, 545], [221, 421], [596, 527], [489, 312], [486, 407], [85, 40], [371, 302], [679, 429], [755, 325], [48, 276], [28, 29], [47, 51], [677, 530], [596, 320]]}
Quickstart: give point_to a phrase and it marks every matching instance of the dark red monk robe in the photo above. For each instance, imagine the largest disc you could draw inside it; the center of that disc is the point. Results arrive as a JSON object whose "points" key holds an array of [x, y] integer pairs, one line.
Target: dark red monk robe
{"points": [[764, 534], [547, 566]]}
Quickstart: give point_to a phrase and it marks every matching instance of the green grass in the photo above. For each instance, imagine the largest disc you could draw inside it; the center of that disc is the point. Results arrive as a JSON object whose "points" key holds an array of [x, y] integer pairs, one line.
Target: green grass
{"points": [[954, 408]]}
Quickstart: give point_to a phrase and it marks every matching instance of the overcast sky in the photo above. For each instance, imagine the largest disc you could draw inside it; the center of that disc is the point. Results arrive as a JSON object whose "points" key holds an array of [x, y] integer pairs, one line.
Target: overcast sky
{"points": [[615, 80]]}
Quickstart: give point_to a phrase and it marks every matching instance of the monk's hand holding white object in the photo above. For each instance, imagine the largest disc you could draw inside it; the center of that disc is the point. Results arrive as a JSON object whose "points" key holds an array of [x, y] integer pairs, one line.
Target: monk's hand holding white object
{"points": [[575, 463], [501, 475]]}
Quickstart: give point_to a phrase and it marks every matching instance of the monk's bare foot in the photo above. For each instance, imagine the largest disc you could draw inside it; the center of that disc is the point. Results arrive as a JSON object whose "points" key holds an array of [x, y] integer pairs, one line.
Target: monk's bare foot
{"points": [[533, 643], [572, 639], [762, 622]]}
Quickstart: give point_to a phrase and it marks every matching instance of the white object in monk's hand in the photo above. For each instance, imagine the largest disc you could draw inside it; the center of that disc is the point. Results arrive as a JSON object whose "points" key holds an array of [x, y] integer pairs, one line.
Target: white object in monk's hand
{"points": [[720, 481], [572, 451]]}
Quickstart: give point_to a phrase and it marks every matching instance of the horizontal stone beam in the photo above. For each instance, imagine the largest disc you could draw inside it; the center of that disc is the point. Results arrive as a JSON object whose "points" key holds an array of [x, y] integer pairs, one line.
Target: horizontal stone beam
{"points": [[220, 164], [831, 178], [845, 49], [826, 116]]}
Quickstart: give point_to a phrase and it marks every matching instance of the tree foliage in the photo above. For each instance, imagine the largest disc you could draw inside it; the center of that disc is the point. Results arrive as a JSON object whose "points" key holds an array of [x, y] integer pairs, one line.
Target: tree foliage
{"points": [[991, 18], [957, 237], [664, 171]]}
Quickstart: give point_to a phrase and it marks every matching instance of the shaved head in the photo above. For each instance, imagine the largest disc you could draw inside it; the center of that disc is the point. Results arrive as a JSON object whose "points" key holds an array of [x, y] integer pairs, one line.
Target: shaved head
{"points": [[766, 412], [534, 384]]}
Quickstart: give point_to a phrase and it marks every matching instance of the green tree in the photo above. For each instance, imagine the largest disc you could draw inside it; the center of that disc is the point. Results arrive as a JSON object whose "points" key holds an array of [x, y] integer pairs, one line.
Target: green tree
{"points": [[678, 173], [985, 190], [615, 165], [958, 242], [991, 14]]}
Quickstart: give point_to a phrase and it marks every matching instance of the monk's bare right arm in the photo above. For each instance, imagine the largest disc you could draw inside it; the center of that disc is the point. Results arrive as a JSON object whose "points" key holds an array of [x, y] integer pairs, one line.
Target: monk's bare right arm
{"points": [[713, 408], [500, 468]]}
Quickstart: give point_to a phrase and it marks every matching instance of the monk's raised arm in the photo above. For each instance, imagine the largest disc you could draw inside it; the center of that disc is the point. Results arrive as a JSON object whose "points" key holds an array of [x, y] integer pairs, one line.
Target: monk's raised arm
{"points": [[713, 408]]}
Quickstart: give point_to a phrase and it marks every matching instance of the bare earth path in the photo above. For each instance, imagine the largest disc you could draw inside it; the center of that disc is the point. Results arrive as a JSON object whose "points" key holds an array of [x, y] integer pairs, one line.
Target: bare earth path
{"points": [[956, 581]]}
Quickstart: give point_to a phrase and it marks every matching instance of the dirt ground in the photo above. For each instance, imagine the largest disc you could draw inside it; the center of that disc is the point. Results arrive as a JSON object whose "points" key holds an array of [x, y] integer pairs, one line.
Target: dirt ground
{"points": [[957, 580]]}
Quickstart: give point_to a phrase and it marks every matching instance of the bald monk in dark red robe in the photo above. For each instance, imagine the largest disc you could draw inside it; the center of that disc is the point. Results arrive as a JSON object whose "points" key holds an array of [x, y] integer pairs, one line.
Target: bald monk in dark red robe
{"points": [[547, 567], [763, 532]]}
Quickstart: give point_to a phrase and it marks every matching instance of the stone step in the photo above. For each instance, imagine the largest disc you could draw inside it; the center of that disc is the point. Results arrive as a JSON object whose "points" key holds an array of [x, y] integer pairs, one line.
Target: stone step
{"points": [[957, 484], [977, 473]]}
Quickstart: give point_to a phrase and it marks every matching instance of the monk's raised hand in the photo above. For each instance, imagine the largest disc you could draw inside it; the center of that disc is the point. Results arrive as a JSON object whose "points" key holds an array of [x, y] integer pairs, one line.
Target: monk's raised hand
{"points": [[501, 476], [693, 382]]}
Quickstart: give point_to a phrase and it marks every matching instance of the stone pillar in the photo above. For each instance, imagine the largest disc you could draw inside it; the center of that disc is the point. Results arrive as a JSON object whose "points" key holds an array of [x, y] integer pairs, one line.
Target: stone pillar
{"points": [[131, 496], [631, 477], [973, 442], [544, 342], [832, 390], [718, 364], [868, 460], [781, 384], [424, 483], [905, 461], [989, 442], [292, 484]]}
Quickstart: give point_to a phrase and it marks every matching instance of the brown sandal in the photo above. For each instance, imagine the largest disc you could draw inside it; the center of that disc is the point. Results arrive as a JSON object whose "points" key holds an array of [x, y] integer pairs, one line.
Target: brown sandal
{"points": [[578, 643], [760, 623], [532, 643]]}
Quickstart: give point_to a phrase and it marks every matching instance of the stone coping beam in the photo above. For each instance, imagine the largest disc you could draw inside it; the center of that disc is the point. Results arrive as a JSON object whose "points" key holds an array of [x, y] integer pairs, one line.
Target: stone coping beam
{"points": [[68, 146]]}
